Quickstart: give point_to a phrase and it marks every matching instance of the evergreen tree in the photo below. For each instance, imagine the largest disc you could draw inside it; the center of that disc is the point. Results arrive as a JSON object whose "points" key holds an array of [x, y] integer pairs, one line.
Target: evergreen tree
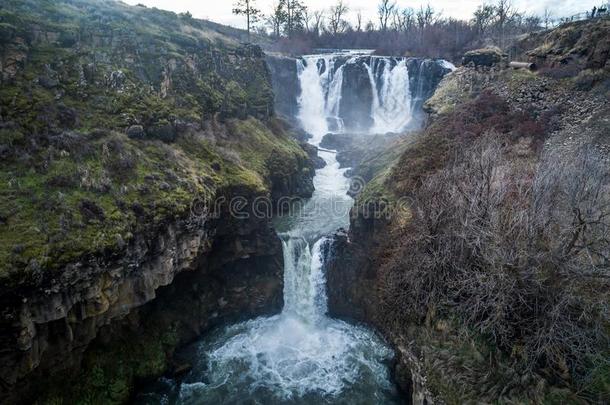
{"points": [[247, 8]]}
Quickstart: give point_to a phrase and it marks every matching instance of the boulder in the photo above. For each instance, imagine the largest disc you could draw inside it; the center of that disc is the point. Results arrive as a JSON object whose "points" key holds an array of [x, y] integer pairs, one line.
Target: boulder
{"points": [[312, 152], [163, 131], [484, 57], [116, 80], [337, 141], [49, 79], [135, 132], [67, 116]]}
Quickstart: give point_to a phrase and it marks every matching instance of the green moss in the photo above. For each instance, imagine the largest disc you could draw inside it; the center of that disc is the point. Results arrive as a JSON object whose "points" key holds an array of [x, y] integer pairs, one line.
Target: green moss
{"points": [[49, 177], [450, 92], [110, 372], [45, 222], [11, 137]]}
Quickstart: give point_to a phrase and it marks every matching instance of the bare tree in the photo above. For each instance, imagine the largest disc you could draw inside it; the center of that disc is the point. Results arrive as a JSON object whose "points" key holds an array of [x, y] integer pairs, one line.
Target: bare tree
{"points": [[277, 17], [505, 11], [295, 12], [531, 23], [318, 21], [385, 10], [359, 21], [547, 18], [408, 19], [425, 16], [337, 22], [520, 253], [483, 18], [307, 19]]}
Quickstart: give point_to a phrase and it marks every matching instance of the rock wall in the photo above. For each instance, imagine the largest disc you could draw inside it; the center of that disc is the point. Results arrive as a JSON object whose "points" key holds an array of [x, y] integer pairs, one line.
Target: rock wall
{"points": [[119, 127], [285, 84], [351, 283], [211, 269]]}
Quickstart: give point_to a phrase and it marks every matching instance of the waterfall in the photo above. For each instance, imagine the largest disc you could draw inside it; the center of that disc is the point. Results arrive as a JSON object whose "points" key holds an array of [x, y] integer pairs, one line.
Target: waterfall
{"points": [[312, 100], [300, 356], [390, 100], [304, 282], [320, 98], [391, 110]]}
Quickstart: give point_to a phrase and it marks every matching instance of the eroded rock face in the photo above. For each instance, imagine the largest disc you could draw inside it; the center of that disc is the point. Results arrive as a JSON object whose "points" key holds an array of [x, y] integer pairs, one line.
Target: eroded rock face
{"points": [[583, 44], [356, 97], [210, 270], [351, 283], [285, 84], [487, 57]]}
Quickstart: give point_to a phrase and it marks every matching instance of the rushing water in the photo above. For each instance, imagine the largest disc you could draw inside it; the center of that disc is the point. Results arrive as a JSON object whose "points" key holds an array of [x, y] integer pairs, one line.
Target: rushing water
{"points": [[300, 356], [392, 98], [396, 95]]}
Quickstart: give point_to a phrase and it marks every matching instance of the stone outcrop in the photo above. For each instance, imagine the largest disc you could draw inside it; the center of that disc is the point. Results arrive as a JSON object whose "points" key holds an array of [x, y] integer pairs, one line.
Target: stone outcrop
{"points": [[285, 84], [351, 274], [486, 57], [237, 264], [583, 44], [356, 96]]}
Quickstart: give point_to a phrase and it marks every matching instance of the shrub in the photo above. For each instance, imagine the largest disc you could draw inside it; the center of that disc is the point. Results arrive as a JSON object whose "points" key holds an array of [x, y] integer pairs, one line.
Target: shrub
{"points": [[518, 254], [587, 79]]}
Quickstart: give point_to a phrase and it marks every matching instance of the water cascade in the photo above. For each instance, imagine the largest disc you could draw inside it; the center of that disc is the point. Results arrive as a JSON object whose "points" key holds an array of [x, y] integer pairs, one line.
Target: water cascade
{"points": [[300, 356], [391, 109], [365, 93]]}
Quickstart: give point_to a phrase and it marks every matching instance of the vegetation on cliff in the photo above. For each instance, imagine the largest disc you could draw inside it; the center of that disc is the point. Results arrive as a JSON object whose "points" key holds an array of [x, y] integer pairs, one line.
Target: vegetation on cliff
{"points": [[116, 117], [114, 121], [498, 277]]}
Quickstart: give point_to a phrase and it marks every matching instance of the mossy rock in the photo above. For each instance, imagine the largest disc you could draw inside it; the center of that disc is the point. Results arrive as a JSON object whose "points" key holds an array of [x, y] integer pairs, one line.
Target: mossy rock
{"points": [[484, 57]]}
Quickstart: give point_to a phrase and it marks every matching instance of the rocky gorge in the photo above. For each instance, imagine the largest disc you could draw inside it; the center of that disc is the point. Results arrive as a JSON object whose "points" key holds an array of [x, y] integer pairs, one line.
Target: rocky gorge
{"points": [[401, 224], [170, 196]]}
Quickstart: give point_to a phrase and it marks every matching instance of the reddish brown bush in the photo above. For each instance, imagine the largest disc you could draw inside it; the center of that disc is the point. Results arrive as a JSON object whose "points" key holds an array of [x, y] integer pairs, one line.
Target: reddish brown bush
{"points": [[563, 71], [518, 255], [486, 114]]}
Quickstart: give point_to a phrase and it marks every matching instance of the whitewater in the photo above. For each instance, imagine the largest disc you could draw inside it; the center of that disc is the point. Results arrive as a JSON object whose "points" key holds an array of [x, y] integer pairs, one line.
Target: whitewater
{"points": [[302, 356]]}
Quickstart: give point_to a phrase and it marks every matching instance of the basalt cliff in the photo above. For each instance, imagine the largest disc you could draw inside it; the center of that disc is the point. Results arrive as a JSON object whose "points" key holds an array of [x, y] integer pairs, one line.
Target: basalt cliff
{"points": [[132, 144]]}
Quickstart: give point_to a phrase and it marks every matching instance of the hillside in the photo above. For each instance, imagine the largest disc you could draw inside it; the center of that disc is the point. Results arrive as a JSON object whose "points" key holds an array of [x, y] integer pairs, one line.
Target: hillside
{"points": [[120, 127], [482, 252]]}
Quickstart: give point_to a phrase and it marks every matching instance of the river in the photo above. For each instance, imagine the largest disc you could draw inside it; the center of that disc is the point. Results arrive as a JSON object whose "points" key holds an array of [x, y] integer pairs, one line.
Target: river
{"points": [[302, 356]]}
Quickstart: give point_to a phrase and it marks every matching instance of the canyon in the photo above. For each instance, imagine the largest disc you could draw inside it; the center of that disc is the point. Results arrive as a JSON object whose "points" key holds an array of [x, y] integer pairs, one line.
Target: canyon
{"points": [[186, 218]]}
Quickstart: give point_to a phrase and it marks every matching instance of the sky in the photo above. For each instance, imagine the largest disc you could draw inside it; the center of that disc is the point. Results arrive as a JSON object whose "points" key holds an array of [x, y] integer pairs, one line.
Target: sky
{"points": [[220, 10]]}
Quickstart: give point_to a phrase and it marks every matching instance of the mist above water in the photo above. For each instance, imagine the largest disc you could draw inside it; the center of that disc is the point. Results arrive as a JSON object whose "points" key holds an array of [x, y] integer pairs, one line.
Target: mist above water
{"points": [[351, 92]]}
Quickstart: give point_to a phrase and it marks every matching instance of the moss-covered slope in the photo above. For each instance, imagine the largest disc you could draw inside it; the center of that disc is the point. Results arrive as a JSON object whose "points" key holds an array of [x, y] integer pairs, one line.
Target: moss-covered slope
{"points": [[114, 118], [119, 126]]}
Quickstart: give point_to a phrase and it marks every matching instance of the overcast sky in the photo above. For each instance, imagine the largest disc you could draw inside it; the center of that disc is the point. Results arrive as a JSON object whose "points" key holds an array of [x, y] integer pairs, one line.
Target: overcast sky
{"points": [[220, 10]]}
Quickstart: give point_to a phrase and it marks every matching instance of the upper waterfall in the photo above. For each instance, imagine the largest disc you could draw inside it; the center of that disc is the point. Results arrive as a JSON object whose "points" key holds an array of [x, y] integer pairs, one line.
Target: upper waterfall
{"points": [[351, 91]]}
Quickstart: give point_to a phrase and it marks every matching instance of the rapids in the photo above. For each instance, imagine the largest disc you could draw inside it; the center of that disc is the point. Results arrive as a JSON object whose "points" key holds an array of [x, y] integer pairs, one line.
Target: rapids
{"points": [[302, 356]]}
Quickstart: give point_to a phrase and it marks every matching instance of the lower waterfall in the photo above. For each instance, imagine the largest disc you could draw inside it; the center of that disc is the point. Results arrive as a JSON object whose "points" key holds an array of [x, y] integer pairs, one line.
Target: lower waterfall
{"points": [[300, 356]]}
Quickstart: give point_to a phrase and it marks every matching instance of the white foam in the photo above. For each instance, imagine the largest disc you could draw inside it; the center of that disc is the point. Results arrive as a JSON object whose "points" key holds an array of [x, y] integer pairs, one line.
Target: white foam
{"points": [[448, 65]]}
